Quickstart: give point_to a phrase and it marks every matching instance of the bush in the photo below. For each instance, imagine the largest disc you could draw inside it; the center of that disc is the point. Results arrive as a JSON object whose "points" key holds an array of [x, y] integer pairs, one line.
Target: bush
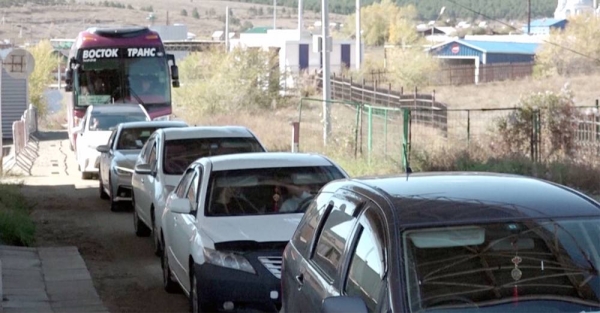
{"points": [[16, 226], [214, 81], [557, 117], [42, 75]]}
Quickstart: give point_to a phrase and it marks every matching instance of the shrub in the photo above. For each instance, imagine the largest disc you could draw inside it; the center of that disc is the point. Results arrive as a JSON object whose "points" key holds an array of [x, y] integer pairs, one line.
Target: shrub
{"points": [[41, 77], [16, 226]]}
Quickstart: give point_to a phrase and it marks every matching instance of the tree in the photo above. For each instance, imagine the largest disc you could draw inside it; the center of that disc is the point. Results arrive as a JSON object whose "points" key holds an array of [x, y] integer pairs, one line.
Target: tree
{"points": [[184, 12], [195, 14], [572, 51], [42, 76]]}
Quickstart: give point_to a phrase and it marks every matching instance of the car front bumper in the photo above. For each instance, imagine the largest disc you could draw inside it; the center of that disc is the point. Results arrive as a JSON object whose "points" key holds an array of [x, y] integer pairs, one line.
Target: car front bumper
{"points": [[260, 291], [122, 188]]}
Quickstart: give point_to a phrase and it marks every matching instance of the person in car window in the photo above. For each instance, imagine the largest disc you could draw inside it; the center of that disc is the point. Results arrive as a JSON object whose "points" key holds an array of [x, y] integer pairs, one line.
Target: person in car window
{"points": [[227, 203], [297, 195]]}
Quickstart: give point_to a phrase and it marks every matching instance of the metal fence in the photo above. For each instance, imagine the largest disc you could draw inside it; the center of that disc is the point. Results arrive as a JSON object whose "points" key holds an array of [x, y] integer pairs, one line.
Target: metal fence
{"points": [[23, 153], [374, 132]]}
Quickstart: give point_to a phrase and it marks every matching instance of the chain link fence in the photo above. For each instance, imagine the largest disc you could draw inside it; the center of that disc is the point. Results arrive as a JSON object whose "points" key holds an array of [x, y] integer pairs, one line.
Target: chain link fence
{"points": [[394, 134]]}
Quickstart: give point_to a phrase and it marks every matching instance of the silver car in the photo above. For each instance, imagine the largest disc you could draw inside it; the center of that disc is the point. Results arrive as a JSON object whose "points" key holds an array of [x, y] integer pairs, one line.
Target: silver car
{"points": [[118, 158]]}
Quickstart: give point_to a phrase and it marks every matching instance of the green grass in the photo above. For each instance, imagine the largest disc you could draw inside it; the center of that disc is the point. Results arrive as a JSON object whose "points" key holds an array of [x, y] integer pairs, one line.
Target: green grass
{"points": [[16, 226]]}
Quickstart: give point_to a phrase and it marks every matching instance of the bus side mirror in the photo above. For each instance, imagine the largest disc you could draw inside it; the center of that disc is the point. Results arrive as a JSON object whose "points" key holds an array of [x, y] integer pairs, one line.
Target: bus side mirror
{"points": [[175, 75], [69, 79]]}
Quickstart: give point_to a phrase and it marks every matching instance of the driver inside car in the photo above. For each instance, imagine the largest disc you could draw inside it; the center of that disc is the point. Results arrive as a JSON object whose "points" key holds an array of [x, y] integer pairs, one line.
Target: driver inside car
{"points": [[297, 195]]}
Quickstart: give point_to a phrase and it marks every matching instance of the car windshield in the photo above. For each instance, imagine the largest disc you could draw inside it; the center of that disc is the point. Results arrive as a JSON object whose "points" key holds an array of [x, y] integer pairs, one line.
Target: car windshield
{"points": [[134, 138], [538, 265], [180, 153], [106, 121], [266, 190]]}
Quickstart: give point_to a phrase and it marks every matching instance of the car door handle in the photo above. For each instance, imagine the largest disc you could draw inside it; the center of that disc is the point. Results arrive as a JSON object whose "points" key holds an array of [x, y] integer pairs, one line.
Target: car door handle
{"points": [[300, 280]]}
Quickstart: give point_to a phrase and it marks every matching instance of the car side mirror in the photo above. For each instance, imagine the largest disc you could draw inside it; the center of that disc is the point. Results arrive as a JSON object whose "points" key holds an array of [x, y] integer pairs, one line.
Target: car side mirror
{"points": [[143, 169], [103, 149], [343, 304], [180, 205]]}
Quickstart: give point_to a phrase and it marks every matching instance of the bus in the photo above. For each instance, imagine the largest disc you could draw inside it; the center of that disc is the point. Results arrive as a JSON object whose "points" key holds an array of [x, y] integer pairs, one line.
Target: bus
{"points": [[113, 65]]}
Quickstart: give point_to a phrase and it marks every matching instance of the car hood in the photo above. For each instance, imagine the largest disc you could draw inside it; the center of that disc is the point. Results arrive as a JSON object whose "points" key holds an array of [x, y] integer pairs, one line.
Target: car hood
{"points": [[96, 138], [126, 158], [262, 228]]}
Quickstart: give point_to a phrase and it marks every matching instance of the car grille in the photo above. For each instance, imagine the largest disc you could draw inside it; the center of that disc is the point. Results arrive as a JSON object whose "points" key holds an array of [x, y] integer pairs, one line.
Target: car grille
{"points": [[272, 263]]}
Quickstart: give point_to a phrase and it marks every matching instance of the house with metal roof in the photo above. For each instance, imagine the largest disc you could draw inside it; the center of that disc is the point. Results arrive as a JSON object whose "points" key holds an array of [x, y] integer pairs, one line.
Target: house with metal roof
{"points": [[544, 25], [478, 53]]}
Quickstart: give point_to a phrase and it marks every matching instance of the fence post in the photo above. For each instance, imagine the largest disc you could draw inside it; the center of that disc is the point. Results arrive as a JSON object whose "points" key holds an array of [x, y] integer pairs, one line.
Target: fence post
{"points": [[405, 138], [385, 123], [369, 132], [295, 136], [356, 126], [350, 87], [432, 108], [468, 128], [597, 120]]}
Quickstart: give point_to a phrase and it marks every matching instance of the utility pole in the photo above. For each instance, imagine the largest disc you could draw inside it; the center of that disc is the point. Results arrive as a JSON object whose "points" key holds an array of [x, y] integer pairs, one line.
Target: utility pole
{"points": [[326, 69], [358, 48], [227, 30], [528, 17], [274, 14], [300, 19]]}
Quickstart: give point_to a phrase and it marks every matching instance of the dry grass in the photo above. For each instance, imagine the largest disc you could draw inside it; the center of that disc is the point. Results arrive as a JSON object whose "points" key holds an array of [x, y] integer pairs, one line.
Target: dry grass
{"points": [[43, 22]]}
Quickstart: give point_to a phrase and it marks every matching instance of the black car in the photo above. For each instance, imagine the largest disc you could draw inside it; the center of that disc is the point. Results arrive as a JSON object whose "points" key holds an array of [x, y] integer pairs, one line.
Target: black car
{"points": [[445, 242]]}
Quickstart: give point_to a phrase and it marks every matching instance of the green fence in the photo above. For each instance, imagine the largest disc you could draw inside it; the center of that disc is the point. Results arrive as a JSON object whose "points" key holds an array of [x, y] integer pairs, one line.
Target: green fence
{"points": [[391, 133]]}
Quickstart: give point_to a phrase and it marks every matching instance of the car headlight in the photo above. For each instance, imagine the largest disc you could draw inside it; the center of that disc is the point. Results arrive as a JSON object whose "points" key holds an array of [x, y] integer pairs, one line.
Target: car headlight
{"points": [[123, 171], [228, 259]]}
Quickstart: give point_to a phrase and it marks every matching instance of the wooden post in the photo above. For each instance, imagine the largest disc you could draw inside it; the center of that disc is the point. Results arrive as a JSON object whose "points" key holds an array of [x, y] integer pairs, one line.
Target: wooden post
{"points": [[351, 95], [374, 95]]}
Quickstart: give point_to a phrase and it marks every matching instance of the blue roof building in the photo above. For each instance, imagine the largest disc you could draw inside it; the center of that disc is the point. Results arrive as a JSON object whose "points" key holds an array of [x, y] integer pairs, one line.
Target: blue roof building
{"points": [[544, 25], [481, 53]]}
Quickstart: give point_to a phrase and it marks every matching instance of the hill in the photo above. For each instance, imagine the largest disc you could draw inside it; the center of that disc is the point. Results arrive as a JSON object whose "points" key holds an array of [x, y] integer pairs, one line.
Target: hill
{"points": [[429, 9], [32, 20]]}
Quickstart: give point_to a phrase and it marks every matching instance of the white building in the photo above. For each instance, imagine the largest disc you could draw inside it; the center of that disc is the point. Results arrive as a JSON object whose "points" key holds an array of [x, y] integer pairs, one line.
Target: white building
{"points": [[296, 53], [566, 8]]}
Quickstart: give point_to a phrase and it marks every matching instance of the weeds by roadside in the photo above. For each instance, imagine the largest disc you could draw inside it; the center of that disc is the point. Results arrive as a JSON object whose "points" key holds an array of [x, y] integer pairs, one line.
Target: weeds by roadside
{"points": [[16, 226]]}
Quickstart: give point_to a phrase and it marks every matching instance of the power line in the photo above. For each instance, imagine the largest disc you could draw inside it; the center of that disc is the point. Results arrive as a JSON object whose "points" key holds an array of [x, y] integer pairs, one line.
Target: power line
{"points": [[514, 28]]}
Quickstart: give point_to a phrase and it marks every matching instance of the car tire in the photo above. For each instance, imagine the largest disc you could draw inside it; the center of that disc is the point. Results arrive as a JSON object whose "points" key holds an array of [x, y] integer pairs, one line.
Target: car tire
{"points": [[114, 205], [196, 304], [168, 283], [155, 237], [141, 230], [103, 194]]}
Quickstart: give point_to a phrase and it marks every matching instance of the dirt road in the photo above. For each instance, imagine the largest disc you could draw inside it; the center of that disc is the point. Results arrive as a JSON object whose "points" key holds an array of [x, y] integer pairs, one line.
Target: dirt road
{"points": [[69, 211]]}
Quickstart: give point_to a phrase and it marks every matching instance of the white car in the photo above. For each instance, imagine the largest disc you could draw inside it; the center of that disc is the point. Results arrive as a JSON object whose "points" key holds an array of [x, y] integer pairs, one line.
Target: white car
{"points": [[164, 158], [95, 129], [227, 222]]}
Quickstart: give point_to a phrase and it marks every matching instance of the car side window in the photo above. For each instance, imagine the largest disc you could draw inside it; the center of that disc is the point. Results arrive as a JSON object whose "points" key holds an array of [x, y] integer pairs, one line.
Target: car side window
{"points": [[337, 228], [152, 156], [181, 189], [111, 140], [192, 193], [365, 277], [146, 150], [304, 234]]}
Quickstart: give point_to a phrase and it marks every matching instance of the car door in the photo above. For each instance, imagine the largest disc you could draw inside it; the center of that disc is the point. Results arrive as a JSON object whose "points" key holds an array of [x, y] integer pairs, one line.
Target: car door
{"points": [[80, 135], [319, 277], [184, 229], [365, 266], [136, 179], [106, 159], [147, 183]]}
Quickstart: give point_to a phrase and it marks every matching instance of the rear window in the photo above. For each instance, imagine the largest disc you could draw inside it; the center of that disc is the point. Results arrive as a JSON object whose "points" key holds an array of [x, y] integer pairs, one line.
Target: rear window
{"points": [[180, 153], [261, 191], [526, 266], [134, 138], [103, 121]]}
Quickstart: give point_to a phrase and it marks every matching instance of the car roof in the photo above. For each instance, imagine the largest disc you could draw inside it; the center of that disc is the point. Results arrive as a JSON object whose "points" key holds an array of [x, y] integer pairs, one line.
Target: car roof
{"points": [[265, 160], [458, 197], [143, 124], [125, 108], [206, 132]]}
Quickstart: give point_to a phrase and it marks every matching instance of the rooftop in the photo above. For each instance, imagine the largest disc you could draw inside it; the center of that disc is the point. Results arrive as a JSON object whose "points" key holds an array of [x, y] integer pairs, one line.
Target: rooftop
{"points": [[206, 132], [257, 30], [509, 47], [267, 160], [129, 125]]}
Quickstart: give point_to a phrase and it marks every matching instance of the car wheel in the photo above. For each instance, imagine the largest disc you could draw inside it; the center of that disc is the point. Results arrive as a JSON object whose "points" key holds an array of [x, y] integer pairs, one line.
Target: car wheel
{"points": [[196, 304], [141, 230], [103, 194], [168, 283], [157, 247]]}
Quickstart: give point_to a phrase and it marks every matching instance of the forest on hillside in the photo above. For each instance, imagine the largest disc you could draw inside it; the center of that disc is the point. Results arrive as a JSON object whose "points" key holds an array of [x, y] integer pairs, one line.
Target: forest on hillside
{"points": [[429, 9]]}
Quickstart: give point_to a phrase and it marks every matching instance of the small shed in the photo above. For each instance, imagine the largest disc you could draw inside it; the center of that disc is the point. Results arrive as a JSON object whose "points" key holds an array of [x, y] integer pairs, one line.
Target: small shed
{"points": [[14, 92], [544, 25]]}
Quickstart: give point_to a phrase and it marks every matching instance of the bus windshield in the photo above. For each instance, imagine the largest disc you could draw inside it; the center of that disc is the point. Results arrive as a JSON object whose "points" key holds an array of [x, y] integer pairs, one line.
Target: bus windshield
{"points": [[135, 80]]}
